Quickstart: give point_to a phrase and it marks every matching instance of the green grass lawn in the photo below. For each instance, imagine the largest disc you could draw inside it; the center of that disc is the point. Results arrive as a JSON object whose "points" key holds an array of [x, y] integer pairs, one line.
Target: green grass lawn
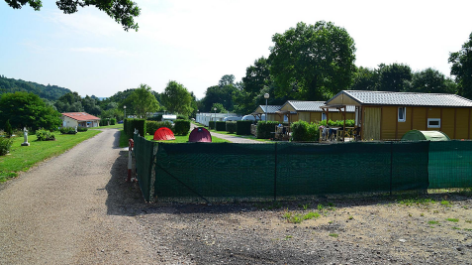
{"points": [[21, 158], [116, 126], [252, 137]]}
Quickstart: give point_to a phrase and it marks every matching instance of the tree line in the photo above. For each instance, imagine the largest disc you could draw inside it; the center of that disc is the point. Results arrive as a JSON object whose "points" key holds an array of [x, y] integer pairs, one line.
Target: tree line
{"points": [[315, 62]]}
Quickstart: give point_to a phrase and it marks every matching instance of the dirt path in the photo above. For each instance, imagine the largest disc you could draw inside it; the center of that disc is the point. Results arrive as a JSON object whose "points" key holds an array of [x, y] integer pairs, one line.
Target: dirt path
{"points": [[69, 210]]}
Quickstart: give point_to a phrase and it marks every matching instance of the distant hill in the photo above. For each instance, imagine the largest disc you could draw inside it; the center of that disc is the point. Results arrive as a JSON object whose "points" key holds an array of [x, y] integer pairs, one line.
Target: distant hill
{"points": [[48, 92]]}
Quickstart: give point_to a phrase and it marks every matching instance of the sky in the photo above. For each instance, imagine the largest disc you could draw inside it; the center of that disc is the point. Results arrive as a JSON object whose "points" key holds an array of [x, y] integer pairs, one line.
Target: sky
{"points": [[197, 42]]}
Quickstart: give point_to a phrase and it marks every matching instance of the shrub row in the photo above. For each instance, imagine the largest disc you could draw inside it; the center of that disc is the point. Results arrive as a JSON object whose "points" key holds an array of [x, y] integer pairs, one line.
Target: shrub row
{"points": [[231, 126], [243, 127], [221, 126], [181, 127], [82, 129], [44, 135], [349, 123], [68, 130], [266, 129], [303, 131], [5, 145], [152, 126], [131, 124]]}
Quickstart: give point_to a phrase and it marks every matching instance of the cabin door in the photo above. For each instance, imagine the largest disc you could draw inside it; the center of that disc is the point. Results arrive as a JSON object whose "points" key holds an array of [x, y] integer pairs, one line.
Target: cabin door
{"points": [[372, 119]]}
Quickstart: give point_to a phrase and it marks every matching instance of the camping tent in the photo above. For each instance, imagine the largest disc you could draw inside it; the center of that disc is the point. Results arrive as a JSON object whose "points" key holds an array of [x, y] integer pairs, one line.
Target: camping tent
{"points": [[200, 134], [163, 134], [416, 135]]}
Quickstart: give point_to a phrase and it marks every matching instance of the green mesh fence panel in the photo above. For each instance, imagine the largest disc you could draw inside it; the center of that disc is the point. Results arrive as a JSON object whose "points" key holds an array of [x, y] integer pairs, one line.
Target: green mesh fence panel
{"points": [[311, 169], [214, 170], [410, 165], [207, 170], [450, 164], [144, 158]]}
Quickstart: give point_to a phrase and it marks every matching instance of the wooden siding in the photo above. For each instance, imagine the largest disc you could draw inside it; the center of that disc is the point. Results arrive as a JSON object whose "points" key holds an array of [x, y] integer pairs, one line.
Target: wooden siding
{"points": [[455, 122]]}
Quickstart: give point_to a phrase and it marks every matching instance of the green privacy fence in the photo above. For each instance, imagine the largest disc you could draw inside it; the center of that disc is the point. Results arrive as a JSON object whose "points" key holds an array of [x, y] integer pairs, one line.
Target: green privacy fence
{"points": [[144, 152], [272, 171]]}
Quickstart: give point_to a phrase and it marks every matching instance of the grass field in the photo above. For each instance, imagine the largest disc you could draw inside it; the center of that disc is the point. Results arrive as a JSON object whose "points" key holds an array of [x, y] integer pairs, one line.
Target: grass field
{"points": [[21, 158], [116, 126], [252, 137]]}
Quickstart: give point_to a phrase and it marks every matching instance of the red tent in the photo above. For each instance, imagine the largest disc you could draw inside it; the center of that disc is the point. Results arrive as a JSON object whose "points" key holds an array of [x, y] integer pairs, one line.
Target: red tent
{"points": [[163, 133], [200, 134]]}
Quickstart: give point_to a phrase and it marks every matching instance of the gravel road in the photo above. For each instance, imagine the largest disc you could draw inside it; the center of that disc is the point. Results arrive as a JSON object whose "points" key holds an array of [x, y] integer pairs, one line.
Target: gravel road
{"points": [[68, 210]]}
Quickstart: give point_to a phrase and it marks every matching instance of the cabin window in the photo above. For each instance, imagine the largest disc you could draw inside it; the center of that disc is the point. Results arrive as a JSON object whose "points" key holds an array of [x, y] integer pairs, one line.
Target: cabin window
{"points": [[323, 116], [402, 114], [285, 118], [434, 123]]}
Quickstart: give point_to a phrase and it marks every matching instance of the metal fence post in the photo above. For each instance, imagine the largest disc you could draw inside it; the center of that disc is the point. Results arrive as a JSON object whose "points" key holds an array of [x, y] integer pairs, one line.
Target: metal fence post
{"points": [[275, 173]]}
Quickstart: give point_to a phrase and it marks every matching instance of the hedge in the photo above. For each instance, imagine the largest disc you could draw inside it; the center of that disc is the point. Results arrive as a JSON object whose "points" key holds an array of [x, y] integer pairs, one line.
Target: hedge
{"points": [[338, 123], [221, 126], [112, 121], [131, 124], [303, 131], [182, 117], [211, 125], [243, 127], [152, 126], [68, 130], [181, 127], [231, 126], [266, 129], [158, 117], [82, 129]]}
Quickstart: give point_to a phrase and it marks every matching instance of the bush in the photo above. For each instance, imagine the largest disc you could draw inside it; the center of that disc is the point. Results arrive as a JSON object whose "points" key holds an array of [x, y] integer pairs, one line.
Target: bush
{"points": [[231, 126], [44, 135], [68, 130], [221, 126], [266, 129], [140, 124], [152, 126], [243, 127], [303, 131], [182, 117], [338, 123], [5, 145], [211, 125], [8, 129], [82, 129], [181, 127], [112, 121]]}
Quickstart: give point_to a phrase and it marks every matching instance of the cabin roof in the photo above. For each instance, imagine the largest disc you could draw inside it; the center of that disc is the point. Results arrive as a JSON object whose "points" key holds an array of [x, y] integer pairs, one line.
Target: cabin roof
{"points": [[270, 108], [365, 97], [80, 116], [313, 106]]}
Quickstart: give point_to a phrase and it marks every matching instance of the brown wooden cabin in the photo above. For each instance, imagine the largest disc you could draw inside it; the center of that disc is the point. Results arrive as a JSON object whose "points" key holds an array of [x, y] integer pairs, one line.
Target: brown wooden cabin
{"points": [[384, 115], [310, 111]]}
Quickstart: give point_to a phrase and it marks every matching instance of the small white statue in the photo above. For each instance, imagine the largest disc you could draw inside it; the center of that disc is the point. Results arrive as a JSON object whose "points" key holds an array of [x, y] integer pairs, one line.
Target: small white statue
{"points": [[25, 135], [76, 129]]}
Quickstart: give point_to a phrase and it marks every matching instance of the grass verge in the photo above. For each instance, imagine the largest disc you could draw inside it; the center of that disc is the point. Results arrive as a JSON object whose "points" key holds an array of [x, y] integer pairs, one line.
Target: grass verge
{"points": [[21, 158], [116, 126]]}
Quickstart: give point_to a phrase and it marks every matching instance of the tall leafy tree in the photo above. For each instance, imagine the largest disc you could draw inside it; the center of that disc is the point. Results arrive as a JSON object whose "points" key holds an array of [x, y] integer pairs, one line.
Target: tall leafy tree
{"points": [[217, 94], [365, 79], [27, 110], [226, 80], [394, 77], [432, 81], [142, 101], [177, 99], [122, 11], [316, 61], [462, 68]]}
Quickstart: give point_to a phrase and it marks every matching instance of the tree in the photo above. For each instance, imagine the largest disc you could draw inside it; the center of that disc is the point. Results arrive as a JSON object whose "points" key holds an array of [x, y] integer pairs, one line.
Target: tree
{"points": [[462, 68], [316, 61], [365, 79], [219, 108], [142, 101], [8, 129], [394, 77], [226, 80], [431, 81], [177, 99], [28, 110], [217, 94], [122, 11]]}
